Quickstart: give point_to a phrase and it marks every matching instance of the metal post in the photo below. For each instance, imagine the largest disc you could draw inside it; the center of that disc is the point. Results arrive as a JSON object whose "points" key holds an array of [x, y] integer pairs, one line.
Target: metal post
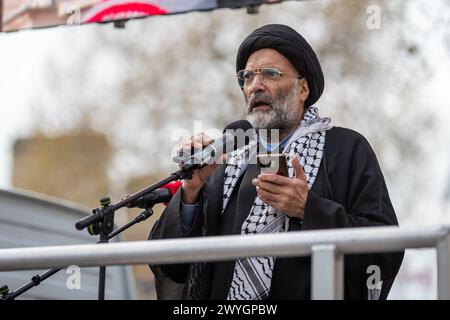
{"points": [[327, 276], [443, 265]]}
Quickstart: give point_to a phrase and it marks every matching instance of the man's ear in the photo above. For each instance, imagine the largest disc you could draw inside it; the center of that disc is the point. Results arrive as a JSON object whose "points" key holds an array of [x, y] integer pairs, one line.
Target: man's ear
{"points": [[304, 93]]}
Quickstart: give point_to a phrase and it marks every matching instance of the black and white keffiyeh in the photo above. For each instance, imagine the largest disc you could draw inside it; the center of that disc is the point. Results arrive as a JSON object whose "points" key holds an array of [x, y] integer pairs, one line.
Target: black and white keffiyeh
{"points": [[252, 276]]}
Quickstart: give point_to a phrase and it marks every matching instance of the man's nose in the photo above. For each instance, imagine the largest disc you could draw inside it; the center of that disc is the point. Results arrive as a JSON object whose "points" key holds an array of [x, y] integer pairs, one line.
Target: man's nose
{"points": [[257, 85]]}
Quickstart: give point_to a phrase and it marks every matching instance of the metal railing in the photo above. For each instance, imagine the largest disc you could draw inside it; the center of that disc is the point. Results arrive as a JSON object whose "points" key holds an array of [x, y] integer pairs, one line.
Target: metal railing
{"points": [[326, 247]]}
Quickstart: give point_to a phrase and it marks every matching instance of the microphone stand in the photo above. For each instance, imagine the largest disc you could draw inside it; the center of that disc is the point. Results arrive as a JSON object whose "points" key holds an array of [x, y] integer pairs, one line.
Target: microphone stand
{"points": [[101, 222]]}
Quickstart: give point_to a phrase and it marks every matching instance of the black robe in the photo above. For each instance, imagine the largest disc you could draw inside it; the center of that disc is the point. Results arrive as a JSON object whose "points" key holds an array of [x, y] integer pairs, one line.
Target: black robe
{"points": [[349, 191]]}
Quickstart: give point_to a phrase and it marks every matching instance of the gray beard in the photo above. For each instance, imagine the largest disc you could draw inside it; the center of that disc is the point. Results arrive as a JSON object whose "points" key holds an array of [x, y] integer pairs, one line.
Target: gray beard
{"points": [[282, 115]]}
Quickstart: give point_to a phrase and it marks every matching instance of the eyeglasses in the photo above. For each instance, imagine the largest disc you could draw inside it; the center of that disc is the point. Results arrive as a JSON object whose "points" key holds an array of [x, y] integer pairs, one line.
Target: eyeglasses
{"points": [[268, 75]]}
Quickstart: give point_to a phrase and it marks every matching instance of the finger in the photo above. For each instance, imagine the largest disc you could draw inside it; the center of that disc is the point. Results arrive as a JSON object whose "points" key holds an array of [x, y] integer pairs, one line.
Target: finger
{"points": [[267, 196], [188, 144], [271, 187], [186, 150], [298, 169], [224, 158], [207, 140], [185, 144], [178, 148], [274, 178], [203, 139], [195, 146]]}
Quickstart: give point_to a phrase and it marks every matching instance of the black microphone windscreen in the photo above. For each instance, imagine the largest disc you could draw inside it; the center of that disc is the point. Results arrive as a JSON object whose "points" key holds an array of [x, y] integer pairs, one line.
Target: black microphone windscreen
{"points": [[242, 132], [238, 124]]}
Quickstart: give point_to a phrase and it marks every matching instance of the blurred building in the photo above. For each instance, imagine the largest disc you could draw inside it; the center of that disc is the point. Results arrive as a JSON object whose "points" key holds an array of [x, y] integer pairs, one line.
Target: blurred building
{"points": [[72, 166]]}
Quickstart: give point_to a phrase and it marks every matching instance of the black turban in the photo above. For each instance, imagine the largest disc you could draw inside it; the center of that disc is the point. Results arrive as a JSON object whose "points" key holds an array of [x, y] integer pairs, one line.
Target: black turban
{"points": [[293, 46]]}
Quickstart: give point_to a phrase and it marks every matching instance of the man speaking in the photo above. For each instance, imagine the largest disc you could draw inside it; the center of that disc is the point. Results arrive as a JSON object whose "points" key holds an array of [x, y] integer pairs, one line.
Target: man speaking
{"points": [[333, 181]]}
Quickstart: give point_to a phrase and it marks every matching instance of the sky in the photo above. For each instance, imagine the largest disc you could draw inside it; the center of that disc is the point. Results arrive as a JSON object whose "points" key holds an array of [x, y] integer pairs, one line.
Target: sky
{"points": [[22, 56]]}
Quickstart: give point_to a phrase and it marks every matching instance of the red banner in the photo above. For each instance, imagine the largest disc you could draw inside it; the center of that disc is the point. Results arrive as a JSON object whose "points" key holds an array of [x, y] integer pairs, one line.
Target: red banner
{"points": [[28, 14]]}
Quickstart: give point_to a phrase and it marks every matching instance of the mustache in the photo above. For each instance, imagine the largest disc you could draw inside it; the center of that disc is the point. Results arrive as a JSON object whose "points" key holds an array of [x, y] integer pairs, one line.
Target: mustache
{"points": [[256, 98]]}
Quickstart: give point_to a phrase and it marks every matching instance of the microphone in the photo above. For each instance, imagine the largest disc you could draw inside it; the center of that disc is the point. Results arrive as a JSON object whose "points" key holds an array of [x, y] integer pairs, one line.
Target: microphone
{"points": [[163, 194], [229, 141]]}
